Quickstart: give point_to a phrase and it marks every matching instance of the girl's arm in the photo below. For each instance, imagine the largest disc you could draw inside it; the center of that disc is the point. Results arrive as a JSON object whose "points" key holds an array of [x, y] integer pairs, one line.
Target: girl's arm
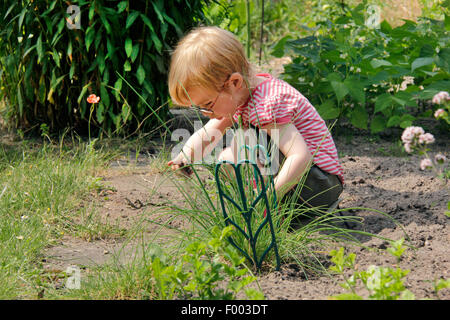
{"points": [[294, 148], [205, 138]]}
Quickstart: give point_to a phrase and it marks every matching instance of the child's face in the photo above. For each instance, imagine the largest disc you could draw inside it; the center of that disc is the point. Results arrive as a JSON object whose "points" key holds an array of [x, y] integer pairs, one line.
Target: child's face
{"points": [[218, 104]]}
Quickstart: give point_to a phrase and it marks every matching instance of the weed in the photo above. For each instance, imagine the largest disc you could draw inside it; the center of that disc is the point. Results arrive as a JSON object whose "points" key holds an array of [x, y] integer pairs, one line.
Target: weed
{"points": [[381, 283], [397, 249]]}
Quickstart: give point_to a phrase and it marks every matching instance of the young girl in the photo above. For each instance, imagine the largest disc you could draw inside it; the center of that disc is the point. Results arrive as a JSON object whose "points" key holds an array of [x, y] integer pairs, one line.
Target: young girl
{"points": [[210, 70]]}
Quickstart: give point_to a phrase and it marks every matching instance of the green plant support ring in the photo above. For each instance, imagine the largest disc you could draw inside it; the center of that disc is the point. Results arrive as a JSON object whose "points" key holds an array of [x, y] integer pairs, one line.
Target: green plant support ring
{"points": [[247, 210]]}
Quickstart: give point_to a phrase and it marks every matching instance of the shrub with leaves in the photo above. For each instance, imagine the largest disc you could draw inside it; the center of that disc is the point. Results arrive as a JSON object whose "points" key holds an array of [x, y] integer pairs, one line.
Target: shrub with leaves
{"points": [[53, 54], [375, 76]]}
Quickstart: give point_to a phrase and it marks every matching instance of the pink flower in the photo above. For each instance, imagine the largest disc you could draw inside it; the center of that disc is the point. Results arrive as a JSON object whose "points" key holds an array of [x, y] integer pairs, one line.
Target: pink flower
{"points": [[408, 148], [441, 97], [426, 138], [417, 130], [93, 98], [440, 158], [426, 163], [439, 113], [410, 133]]}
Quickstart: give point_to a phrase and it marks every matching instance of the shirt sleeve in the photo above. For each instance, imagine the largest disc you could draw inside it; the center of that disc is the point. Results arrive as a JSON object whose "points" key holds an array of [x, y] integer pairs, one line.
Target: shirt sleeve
{"points": [[277, 109]]}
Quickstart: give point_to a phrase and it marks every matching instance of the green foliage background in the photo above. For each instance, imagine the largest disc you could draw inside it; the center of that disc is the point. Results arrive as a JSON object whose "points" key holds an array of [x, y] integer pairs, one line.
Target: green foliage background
{"points": [[348, 70], [353, 71], [48, 69]]}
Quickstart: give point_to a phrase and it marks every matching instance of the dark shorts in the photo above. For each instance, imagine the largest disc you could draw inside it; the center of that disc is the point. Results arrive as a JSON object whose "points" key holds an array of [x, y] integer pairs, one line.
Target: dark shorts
{"points": [[320, 189]]}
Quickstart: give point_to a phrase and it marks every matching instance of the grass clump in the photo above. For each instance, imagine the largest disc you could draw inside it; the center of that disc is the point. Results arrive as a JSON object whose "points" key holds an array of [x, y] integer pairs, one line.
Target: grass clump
{"points": [[42, 188]]}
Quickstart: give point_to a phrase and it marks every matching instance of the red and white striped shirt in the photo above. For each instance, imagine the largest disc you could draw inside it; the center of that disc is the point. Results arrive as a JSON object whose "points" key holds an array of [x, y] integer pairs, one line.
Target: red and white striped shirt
{"points": [[275, 101]]}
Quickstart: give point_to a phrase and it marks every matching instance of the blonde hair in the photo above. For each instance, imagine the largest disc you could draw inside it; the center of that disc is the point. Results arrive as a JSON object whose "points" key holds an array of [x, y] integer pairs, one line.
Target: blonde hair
{"points": [[204, 58]]}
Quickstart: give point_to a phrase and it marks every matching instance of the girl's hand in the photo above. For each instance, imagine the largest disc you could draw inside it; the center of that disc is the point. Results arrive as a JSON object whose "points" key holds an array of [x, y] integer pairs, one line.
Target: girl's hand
{"points": [[180, 162]]}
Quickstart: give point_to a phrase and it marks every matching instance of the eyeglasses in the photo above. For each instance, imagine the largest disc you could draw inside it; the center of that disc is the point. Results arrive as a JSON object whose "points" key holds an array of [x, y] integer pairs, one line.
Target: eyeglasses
{"points": [[210, 110]]}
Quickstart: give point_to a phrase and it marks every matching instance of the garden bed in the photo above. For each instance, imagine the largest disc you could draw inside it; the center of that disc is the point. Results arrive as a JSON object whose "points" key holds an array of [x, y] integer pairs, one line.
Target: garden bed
{"points": [[374, 179]]}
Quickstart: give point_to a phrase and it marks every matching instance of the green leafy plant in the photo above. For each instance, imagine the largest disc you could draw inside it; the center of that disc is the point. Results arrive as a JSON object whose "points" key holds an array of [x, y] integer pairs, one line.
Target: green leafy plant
{"points": [[381, 283], [201, 270], [397, 249], [375, 78], [440, 285], [50, 65]]}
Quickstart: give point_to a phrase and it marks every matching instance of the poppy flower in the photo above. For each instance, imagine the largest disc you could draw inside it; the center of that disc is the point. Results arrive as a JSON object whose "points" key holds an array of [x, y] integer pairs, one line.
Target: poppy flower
{"points": [[93, 98]]}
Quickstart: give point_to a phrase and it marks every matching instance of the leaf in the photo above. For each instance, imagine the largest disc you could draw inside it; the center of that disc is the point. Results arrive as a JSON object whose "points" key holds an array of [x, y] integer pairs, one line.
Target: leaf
{"points": [[39, 48], [375, 63], [421, 62], [158, 12], [131, 18], [443, 60], [340, 89], [21, 17], [383, 101], [122, 6], [105, 22], [334, 77], [378, 124], [393, 121], [156, 42], [110, 48], [72, 71], [140, 74], [10, 9], [29, 50], [89, 38], [104, 96], [174, 24], [126, 111], [278, 49], [127, 66], [405, 124], [128, 46], [83, 92], [359, 117], [378, 78], [147, 22], [328, 111], [91, 11], [406, 120], [134, 52], [53, 86], [56, 58], [356, 90]]}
